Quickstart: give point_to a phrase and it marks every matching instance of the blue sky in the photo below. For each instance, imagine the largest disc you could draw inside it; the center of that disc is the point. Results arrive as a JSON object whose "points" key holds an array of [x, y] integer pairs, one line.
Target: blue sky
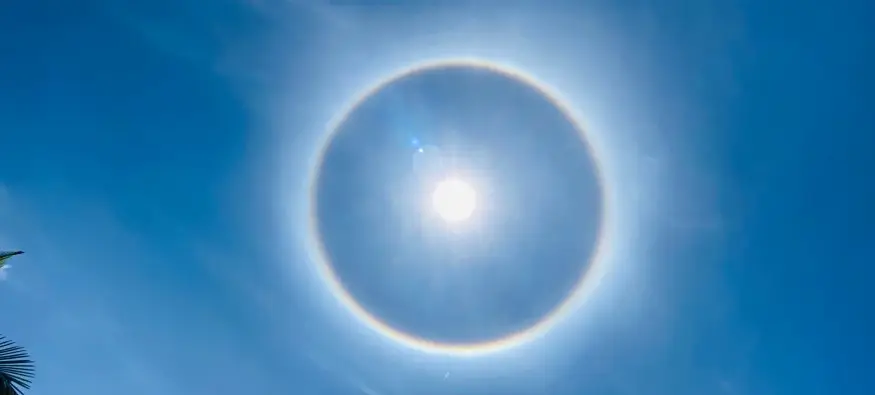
{"points": [[154, 168]]}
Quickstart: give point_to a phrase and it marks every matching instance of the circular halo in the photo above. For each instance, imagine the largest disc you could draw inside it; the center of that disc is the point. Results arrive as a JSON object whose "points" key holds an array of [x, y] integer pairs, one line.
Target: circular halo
{"points": [[582, 288]]}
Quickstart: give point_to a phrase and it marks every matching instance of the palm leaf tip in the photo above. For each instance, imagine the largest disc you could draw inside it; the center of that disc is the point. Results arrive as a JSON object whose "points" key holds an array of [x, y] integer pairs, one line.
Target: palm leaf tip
{"points": [[16, 368]]}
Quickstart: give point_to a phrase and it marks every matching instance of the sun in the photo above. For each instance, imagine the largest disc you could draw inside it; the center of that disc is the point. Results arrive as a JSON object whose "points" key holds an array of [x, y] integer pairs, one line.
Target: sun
{"points": [[454, 200]]}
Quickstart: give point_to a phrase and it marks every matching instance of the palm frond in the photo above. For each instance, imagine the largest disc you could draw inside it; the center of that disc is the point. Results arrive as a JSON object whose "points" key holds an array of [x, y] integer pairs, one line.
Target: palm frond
{"points": [[16, 368]]}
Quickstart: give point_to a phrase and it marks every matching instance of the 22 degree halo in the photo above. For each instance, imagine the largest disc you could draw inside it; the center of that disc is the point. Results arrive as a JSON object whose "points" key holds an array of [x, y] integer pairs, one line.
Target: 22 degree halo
{"points": [[584, 285]]}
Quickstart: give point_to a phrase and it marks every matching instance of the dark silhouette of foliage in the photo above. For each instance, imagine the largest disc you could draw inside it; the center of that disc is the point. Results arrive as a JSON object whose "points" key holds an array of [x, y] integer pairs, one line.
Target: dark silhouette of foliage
{"points": [[4, 255], [16, 368]]}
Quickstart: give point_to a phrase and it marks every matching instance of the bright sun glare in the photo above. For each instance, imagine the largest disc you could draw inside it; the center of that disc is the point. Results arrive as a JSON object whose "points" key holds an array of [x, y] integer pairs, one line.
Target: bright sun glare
{"points": [[454, 200]]}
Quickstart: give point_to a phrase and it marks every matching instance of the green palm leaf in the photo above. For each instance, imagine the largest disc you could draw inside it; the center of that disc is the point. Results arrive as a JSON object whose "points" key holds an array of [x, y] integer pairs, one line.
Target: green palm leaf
{"points": [[16, 368], [4, 255]]}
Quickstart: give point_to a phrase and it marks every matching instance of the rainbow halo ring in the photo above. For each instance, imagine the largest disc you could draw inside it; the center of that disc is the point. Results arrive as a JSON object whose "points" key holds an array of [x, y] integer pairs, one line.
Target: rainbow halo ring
{"points": [[588, 281]]}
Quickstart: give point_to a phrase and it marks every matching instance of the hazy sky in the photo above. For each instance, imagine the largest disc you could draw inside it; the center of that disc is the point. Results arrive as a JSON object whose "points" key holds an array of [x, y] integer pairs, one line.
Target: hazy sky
{"points": [[155, 162]]}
